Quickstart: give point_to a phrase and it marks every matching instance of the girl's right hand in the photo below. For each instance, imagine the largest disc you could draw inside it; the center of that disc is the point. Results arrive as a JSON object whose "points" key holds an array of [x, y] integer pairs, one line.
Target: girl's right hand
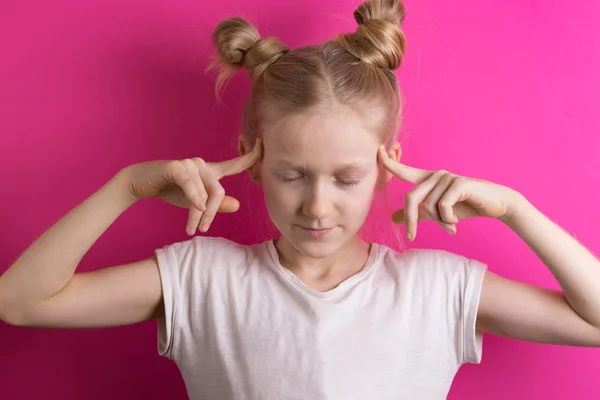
{"points": [[191, 183]]}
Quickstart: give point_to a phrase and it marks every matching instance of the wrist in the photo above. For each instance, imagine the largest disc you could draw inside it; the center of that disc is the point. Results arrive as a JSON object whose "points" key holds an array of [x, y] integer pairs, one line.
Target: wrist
{"points": [[516, 206], [122, 183]]}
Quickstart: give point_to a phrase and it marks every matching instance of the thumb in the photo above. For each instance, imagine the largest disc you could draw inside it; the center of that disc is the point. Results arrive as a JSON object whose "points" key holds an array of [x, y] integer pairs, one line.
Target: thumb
{"points": [[399, 216], [461, 210], [229, 205]]}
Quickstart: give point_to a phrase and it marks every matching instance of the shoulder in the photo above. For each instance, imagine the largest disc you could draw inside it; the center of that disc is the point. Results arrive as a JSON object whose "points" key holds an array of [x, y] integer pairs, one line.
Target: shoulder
{"points": [[430, 264], [424, 257], [420, 257], [204, 254], [203, 244]]}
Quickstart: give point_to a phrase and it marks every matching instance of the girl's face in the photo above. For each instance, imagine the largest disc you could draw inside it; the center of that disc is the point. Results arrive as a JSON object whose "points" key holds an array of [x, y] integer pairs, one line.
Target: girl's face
{"points": [[319, 171]]}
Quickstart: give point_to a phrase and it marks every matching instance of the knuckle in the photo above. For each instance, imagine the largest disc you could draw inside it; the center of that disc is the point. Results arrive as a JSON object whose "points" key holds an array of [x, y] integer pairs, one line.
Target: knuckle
{"points": [[190, 166], [219, 191], [448, 178], [178, 168], [195, 215], [459, 180], [199, 162], [444, 204], [175, 165], [444, 213], [459, 184], [209, 216]]}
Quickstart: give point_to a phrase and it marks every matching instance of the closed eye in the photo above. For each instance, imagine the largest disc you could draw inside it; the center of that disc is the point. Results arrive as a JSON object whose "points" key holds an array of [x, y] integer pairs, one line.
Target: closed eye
{"points": [[348, 182], [294, 178], [290, 178]]}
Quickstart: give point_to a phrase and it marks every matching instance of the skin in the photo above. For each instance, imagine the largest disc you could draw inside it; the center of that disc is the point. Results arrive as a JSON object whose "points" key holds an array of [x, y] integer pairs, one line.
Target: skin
{"points": [[570, 316], [311, 195], [42, 289], [306, 185]]}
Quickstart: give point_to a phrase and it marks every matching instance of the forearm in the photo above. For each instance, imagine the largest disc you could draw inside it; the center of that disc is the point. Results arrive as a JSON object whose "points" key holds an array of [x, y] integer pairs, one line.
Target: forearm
{"points": [[50, 262], [575, 268]]}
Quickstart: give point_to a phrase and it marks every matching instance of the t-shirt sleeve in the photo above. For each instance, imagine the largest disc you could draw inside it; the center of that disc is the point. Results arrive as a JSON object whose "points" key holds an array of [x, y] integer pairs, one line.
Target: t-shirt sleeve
{"points": [[188, 271], [184, 269], [456, 283], [472, 338], [173, 275]]}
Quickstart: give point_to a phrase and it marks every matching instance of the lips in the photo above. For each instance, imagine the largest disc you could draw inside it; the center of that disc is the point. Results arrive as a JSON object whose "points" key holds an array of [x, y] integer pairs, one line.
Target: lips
{"points": [[317, 233]]}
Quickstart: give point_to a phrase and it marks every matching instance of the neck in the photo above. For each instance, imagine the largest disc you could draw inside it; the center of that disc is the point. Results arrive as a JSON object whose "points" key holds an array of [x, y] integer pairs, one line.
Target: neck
{"points": [[348, 260]]}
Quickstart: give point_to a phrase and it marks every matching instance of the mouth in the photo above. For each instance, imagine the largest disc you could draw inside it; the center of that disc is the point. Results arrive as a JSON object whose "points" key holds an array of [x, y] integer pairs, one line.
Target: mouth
{"points": [[317, 233]]}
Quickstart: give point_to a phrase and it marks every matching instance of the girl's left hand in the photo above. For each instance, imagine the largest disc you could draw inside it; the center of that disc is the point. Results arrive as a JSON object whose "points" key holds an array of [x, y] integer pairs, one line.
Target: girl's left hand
{"points": [[447, 198]]}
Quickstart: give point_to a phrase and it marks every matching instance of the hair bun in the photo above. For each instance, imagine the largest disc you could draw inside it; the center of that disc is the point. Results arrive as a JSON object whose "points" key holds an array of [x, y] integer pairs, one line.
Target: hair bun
{"points": [[378, 40], [239, 45], [391, 11]]}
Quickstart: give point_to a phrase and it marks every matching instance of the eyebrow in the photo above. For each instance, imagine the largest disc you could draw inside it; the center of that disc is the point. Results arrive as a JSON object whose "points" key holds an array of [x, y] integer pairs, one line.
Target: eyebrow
{"points": [[342, 168]]}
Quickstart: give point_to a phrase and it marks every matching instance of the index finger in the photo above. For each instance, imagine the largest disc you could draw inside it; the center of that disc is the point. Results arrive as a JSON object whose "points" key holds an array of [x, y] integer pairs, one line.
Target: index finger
{"points": [[402, 171], [240, 164]]}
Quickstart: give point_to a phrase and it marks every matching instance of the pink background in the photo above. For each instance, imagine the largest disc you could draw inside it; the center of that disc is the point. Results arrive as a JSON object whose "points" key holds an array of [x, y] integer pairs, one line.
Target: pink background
{"points": [[505, 91]]}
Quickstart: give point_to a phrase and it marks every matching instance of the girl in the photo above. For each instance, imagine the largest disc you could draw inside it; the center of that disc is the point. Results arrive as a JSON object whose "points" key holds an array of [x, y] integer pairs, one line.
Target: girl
{"points": [[317, 312]]}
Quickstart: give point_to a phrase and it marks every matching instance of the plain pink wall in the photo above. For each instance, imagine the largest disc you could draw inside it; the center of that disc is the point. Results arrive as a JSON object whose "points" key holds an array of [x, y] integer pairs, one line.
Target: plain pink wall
{"points": [[505, 91]]}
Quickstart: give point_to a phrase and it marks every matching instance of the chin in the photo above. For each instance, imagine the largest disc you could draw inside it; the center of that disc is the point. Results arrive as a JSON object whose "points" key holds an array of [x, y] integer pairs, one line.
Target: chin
{"points": [[316, 247]]}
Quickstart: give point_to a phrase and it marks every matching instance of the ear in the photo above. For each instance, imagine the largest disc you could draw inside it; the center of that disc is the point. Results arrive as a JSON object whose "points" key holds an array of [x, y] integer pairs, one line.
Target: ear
{"points": [[395, 153], [254, 170]]}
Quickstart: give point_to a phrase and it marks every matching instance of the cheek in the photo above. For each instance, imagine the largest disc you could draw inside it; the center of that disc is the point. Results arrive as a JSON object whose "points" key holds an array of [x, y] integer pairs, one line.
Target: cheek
{"points": [[279, 197], [360, 201]]}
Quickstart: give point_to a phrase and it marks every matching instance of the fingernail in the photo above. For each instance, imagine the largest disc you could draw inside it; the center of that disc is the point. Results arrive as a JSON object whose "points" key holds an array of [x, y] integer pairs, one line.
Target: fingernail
{"points": [[204, 228], [409, 235]]}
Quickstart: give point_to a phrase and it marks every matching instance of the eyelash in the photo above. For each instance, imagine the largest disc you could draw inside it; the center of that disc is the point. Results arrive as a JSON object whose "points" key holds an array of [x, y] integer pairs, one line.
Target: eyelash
{"points": [[342, 182], [348, 183]]}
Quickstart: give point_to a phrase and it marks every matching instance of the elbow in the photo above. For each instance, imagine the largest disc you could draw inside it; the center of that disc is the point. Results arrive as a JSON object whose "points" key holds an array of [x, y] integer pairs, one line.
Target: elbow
{"points": [[15, 312], [597, 341], [7, 314], [14, 316], [592, 339], [10, 317]]}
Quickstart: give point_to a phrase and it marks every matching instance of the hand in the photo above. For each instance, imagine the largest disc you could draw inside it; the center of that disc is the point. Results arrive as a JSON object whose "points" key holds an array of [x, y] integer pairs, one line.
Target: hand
{"points": [[191, 183], [447, 198]]}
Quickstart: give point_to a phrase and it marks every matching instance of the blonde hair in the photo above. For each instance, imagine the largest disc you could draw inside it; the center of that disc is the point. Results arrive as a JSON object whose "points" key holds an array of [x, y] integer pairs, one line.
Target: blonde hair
{"points": [[354, 70]]}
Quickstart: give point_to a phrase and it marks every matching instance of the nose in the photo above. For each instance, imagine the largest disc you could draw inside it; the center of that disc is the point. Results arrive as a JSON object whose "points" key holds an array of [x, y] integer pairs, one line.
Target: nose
{"points": [[317, 203]]}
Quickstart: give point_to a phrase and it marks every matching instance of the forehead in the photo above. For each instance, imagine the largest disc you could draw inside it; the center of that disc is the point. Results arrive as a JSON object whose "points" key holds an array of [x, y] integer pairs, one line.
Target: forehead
{"points": [[324, 138]]}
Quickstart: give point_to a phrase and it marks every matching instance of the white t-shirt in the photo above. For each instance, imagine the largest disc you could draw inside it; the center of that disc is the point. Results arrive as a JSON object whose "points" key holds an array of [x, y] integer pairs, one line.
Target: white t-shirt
{"points": [[241, 326]]}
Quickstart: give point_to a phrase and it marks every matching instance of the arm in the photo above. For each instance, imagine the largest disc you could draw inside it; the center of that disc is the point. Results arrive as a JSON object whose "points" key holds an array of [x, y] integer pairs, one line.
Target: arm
{"points": [[40, 288], [506, 307], [523, 311]]}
